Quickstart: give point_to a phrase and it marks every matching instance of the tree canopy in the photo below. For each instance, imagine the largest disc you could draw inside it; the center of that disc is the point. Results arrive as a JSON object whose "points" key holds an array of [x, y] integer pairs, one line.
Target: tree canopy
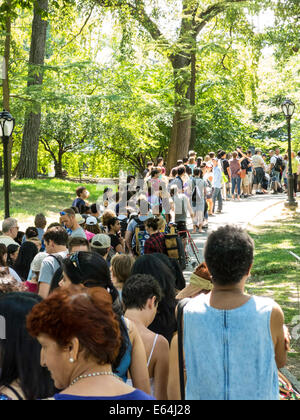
{"points": [[126, 81]]}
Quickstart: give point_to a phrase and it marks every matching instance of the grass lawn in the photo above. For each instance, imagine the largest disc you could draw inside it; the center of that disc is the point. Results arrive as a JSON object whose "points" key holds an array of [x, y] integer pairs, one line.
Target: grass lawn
{"points": [[276, 273], [48, 196]]}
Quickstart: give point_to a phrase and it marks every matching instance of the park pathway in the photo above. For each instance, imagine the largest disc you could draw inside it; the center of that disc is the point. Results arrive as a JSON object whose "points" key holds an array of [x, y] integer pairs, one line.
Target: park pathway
{"points": [[240, 213]]}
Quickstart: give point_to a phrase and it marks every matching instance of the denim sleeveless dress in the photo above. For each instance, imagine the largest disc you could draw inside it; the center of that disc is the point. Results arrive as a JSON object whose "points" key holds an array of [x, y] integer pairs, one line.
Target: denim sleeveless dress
{"points": [[230, 354]]}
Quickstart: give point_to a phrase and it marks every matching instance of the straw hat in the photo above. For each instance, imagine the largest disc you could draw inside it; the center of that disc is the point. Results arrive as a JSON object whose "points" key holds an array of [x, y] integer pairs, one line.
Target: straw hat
{"points": [[79, 219], [200, 282]]}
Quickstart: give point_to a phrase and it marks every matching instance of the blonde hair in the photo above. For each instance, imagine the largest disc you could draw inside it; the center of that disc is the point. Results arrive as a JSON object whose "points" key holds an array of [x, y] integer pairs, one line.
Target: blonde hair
{"points": [[161, 223], [121, 266]]}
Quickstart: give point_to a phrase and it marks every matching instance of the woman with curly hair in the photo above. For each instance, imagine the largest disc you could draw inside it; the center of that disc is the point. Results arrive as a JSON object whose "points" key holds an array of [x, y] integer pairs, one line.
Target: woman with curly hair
{"points": [[80, 353]]}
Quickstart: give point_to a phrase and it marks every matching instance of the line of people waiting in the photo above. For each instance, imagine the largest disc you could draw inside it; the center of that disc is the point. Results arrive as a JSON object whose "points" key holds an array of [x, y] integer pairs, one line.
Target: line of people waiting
{"points": [[94, 330]]}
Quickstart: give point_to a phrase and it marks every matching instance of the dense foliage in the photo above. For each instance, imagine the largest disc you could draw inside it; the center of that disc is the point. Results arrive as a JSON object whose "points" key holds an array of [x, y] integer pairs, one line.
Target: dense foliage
{"points": [[111, 80]]}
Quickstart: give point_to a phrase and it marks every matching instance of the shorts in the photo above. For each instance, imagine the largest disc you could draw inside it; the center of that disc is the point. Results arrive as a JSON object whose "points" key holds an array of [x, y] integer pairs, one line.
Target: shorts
{"points": [[245, 181], [250, 177], [259, 176], [275, 176]]}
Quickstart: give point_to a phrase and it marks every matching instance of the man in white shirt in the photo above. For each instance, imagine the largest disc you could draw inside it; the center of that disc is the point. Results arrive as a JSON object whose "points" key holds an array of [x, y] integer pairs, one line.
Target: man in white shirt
{"points": [[10, 230], [258, 171]]}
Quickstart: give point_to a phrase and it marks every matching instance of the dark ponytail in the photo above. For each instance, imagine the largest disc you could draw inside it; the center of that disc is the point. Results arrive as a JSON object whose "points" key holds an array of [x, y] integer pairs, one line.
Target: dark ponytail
{"points": [[91, 270]]}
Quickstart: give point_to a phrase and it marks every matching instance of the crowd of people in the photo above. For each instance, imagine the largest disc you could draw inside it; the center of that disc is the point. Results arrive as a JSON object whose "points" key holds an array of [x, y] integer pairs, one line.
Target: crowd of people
{"points": [[89, 301], [196, 187]]}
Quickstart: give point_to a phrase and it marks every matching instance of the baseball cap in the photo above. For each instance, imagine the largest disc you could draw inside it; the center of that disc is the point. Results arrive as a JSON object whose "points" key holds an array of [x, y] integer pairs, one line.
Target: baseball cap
{"points": [[91, 221], [101, 241]]}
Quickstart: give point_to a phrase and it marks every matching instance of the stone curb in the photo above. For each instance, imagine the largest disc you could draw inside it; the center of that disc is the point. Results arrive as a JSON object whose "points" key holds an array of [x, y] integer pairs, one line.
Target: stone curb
{"points": [[249, 223], [263, 210]]}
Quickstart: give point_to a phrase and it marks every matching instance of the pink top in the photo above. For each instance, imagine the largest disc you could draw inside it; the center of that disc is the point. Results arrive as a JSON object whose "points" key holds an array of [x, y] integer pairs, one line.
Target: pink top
{"points": [[32, 287], [89, 235]]}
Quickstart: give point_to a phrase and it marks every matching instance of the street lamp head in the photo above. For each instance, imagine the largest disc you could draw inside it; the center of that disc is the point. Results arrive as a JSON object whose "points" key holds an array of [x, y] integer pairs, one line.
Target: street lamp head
{"points": [[288, 108], [7, 124]]}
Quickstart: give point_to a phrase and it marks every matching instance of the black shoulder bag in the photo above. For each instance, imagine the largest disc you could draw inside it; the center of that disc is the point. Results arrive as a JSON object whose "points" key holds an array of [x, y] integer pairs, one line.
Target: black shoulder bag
{"points": [[180, 308]]}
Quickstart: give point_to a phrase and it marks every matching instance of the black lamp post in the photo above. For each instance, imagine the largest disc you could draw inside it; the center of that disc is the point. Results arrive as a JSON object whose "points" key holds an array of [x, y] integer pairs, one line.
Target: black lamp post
{"points": [[7, 124], [288, 108]]}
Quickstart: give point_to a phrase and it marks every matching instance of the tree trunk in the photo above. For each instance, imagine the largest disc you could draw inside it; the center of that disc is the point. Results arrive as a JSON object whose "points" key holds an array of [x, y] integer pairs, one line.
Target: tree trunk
{"points": [[180, 138], [58, 166], [181, 130], [27, 167], [193, 100], [29, 152]]}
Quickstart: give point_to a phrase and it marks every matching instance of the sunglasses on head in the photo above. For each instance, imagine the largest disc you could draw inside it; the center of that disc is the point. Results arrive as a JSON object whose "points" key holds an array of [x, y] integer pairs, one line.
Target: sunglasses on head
{"points": [[63, 213]]}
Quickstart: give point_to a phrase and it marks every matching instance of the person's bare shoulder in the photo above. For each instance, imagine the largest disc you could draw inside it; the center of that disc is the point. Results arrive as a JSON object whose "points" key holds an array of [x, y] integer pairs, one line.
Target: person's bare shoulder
{"points": [[162, 342], [277, 323], [277, 316], [162, 348]]}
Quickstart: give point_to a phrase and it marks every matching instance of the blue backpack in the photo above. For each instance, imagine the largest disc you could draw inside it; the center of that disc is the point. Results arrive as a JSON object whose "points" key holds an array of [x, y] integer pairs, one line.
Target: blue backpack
{"points": [[140, 237]]}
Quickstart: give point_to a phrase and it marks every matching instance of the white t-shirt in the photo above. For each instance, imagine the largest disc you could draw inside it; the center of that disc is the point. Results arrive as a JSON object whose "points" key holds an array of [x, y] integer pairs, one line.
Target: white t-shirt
{"points": [[273, 160]]}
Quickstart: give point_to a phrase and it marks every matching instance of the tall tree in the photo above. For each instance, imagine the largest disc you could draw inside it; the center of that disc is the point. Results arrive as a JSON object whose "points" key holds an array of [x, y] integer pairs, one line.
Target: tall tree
{"points": [[194, 18], [27, 167]]}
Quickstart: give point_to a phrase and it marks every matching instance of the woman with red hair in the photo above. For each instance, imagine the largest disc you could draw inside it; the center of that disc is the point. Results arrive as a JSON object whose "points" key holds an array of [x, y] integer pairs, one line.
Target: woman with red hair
{"points": [[80, 338]]}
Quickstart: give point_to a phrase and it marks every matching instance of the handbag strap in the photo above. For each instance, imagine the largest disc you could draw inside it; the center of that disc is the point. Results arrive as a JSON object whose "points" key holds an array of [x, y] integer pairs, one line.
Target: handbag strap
{"points": [[180, 308]]}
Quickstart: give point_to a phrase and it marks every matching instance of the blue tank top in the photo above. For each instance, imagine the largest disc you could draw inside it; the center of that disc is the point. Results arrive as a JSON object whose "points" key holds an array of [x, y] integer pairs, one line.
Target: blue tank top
{"points": [[134, 395], [230, 354]]}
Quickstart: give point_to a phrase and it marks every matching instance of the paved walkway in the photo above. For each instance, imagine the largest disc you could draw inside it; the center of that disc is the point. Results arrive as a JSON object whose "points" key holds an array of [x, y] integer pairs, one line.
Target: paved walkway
{"points": [[254, 209]]}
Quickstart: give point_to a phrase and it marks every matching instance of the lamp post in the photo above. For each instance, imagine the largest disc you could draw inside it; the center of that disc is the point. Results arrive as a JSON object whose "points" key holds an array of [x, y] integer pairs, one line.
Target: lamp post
{"points": [[288, 108], [7, 124]]}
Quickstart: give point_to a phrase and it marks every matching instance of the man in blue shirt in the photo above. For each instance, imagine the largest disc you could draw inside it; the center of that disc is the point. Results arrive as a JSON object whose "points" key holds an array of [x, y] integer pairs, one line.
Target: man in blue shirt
{"points": [[79, 202], [217, 186]]}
